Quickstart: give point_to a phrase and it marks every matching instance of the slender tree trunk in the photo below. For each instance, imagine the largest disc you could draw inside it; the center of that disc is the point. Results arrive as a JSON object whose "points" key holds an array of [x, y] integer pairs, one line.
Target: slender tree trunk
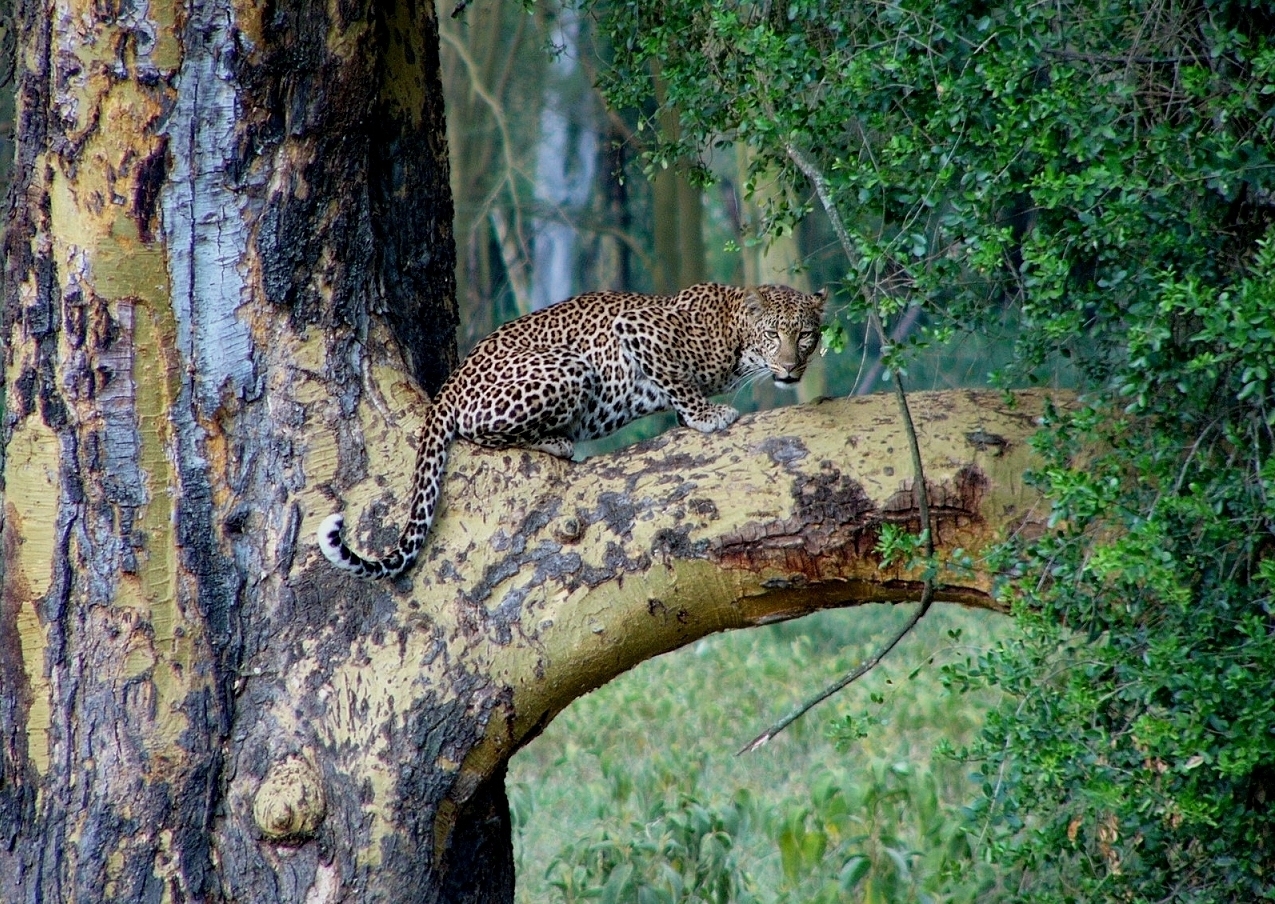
{"points": [[777, 260], [566, 160], [679, 241], [611, 262], [228, 276], [493, 70], [678, 216]]}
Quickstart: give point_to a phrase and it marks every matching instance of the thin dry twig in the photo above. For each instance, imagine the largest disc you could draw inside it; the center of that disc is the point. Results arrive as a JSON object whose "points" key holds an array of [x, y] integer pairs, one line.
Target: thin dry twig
{"points": [[812, 172]]}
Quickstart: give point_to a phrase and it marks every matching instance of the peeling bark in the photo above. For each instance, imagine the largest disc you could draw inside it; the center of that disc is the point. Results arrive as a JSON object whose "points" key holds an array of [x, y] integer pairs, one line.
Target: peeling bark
{"points": [[227, 272]]}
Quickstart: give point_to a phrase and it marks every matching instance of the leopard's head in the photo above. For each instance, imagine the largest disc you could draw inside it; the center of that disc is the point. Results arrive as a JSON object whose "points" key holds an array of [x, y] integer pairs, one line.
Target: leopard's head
{"points": [[784, 330]]}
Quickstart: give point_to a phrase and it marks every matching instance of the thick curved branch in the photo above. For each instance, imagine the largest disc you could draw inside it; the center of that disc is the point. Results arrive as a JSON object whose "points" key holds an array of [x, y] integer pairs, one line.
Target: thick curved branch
{"points": [[544, 579]]}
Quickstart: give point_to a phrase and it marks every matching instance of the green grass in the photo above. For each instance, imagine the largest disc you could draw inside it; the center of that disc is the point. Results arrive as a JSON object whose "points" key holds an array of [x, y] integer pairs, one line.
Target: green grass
{"points": [[635, 792]]}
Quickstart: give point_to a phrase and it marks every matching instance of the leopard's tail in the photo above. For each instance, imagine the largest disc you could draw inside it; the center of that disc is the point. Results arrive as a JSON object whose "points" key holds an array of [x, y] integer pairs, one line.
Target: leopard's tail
{"points": [[427, 482]]}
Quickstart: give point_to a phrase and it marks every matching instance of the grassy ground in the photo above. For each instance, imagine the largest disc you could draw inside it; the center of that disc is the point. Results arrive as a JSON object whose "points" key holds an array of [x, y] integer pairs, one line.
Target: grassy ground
{"points": [[635, 792]]}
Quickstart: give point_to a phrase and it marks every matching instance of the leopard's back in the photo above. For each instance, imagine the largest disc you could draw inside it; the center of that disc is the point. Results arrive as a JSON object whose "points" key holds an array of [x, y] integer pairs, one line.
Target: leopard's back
{"points": [[712, 336]]}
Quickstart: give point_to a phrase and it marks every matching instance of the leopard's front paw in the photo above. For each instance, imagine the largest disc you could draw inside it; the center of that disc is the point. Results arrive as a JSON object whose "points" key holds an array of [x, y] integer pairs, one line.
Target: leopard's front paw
{"points": [[711, 418], [558, 446]]}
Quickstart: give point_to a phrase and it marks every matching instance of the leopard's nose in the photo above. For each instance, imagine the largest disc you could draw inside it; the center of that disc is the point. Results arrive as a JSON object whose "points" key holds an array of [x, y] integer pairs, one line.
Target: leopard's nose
{"points": [[785, 375]]}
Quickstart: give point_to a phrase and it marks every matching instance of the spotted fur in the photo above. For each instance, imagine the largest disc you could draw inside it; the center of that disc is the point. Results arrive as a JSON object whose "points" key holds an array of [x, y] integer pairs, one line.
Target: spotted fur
{"points": [[586, 367]]}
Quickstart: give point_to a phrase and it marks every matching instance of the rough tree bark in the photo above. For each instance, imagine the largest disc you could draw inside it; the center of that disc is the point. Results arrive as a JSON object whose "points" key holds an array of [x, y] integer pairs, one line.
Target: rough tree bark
{"points": [[227, 265]]}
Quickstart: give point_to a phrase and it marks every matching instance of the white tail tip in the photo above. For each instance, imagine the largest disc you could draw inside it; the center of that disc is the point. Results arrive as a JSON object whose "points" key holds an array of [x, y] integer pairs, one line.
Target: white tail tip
{"points": [[329, 537]]}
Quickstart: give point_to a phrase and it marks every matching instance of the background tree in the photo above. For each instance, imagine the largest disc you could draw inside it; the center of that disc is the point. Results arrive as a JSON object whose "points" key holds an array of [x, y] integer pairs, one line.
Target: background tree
{"points": [[493, 60]]}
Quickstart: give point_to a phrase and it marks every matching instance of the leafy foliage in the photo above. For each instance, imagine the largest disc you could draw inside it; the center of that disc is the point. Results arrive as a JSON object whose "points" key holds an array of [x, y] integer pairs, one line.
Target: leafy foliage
{"points": [[1102, 170], [1144, 738]]}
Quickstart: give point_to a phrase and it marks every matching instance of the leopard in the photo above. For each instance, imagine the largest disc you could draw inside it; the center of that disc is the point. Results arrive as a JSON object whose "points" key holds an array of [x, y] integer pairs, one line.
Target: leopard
{"points": [[585, 367]]}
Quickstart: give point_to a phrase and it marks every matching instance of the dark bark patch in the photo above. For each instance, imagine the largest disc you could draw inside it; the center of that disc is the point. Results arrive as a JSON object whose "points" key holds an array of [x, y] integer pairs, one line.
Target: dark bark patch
{"points": [[75, 319], [827, 495], [538, 517], [494, 574], [410, 206], [22, 400], [984, 441], [41, 316], [551, 564], [433, 730], [615, 564], [678, 463], [705, 508], [150, 179], [676, 543], [784, 451], [956, 503], [286, 551], [561, 566], [53, 410], [675, 464], [17, 776], [833, 518], [616, 511], [594, 576], [620, 564]]}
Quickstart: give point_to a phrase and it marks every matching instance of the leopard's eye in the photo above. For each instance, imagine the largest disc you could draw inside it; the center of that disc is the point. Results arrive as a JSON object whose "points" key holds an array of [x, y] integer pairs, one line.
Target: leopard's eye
{"points": [[807, 335], [771, 336]]}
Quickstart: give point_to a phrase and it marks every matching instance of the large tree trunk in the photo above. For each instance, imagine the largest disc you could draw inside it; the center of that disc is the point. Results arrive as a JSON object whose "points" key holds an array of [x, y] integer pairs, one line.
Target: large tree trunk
{"points": [[222, 219], [228, 272]]}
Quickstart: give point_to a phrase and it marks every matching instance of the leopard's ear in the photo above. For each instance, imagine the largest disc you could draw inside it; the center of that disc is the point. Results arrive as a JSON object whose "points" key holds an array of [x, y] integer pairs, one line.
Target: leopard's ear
{"points": [[753, 302], [821, 300]]}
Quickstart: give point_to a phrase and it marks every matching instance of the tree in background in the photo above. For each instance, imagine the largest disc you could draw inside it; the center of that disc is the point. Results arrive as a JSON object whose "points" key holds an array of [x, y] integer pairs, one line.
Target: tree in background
{"points": [[493, 60], [1100, 175]]}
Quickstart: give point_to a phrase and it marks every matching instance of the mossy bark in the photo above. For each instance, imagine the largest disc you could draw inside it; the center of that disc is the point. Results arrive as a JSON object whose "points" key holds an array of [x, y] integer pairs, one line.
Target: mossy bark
{"points": [[228, 274]]}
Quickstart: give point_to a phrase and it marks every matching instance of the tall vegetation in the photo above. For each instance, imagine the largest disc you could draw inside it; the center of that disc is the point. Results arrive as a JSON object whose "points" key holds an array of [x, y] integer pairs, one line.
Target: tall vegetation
{"points": [[1100, 174]]}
